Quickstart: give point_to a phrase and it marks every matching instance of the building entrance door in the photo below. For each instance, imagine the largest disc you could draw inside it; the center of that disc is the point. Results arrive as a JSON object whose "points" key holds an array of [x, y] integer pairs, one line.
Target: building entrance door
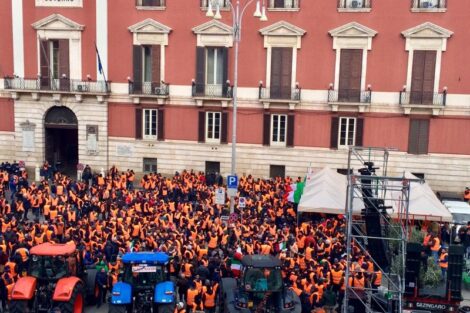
{"points": [[61, 139]]}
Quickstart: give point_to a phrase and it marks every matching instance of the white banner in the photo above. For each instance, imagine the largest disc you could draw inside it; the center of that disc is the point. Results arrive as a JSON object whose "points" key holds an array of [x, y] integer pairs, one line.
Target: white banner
{"points": [[220, 196], [60, 3], [143, 268]]}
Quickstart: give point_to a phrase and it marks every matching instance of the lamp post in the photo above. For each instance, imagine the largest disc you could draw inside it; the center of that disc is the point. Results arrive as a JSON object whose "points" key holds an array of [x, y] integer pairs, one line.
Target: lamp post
{"points": [[237, 15]]}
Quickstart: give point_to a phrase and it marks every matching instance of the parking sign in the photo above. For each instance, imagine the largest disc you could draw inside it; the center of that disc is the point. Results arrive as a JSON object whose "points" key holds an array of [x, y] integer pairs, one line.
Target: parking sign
{"points": [[232, 182]]}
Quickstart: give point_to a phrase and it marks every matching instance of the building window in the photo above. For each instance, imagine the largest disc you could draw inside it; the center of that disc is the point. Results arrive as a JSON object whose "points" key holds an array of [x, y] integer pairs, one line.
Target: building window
{"points": [[150, 123], [54, 64], [150, 165], [278, 129], [423, 77], [223, 4], [213, 126], [150, 3], [214, 69], [347, 132], [283, 4], [354, 4], [418, 137], [147, 70], [277, 171], [429, 4]]}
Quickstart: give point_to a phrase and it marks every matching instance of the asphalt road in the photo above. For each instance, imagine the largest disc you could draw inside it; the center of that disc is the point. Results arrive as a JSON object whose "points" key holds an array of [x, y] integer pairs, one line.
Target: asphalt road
{"points": [[93, 309]]}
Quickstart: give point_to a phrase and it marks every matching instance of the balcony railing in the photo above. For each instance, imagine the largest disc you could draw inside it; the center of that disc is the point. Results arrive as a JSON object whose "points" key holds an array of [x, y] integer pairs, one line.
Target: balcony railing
{"points": [[283, 4], [223, 4], [212, 91], [423, 98], [354, 4], [62, 84], [149, 88], [428, 4], [280, 93], [150, 3], [350, 96]]}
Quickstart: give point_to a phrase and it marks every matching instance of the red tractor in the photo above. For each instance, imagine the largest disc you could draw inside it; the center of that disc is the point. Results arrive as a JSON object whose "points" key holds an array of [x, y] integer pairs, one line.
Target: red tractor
{"points": [[54, 280]]}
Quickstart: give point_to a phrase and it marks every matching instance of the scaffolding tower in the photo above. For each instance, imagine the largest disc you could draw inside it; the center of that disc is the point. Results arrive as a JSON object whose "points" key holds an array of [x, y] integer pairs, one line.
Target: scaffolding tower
{"points": [[377, 226]]}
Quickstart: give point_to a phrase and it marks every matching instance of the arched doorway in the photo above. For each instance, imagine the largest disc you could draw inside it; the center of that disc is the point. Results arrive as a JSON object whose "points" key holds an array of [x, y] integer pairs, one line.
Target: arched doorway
{"points": [[61, 139]]}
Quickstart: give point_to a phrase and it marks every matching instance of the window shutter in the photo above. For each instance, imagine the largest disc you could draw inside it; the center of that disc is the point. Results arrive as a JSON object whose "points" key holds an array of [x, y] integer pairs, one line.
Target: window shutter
{"points": [[350, 72], [224, 70], [44, 64], [286, 73], [423, 139], [161, 125], [413, 137], [428, 77], [266, 129], [417, 76], [202, 127], [156, 66], [334, 132], [137, 64], [64, 64], [138, 123], [200, 70], [224, 131], [290, 130], [276, 73], [359, 132]]}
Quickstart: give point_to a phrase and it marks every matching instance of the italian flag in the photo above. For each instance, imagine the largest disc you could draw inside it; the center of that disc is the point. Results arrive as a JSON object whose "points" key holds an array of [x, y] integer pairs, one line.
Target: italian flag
{"points": [[236, 263], [294, 192]]}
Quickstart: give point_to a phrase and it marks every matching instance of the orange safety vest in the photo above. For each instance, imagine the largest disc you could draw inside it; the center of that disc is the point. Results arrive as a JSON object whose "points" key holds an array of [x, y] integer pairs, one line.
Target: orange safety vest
{"points": [[357, 283], [437, 244], [191, 296], [209, 299], [442, 263], [336, 276]]}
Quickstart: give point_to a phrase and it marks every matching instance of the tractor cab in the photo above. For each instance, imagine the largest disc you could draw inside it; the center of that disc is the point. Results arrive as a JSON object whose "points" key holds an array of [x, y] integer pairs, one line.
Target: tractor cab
{"points": [[52, 281], [260, 288], [144, 285]]}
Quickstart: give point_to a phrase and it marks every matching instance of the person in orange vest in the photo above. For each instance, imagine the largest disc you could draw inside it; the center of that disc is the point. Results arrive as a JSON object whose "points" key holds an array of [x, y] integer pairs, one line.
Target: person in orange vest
{"points": [[209, 299], [435, 245], [466, 194], [191, 295], [443, 263]]}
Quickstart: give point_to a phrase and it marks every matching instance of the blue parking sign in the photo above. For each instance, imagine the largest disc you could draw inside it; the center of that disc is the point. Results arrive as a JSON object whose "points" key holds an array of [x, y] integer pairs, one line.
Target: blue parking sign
{"points": [[232, 182]]}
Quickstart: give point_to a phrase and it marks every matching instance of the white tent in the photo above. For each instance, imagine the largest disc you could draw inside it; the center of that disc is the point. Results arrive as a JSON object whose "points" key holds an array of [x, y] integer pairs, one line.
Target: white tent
{"points": [[424, 204], [325, 192]]}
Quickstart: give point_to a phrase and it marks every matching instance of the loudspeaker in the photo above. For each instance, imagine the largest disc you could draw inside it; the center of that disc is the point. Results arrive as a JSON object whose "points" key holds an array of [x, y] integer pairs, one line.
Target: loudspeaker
{"points": [[454, 271], [412, 266], [376, 247]]}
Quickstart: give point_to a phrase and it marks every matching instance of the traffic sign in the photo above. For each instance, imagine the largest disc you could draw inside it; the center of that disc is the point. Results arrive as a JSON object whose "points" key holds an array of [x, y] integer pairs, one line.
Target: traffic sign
{"points": [[242, 202], [220, 196], [233, 218], [232, 182]]}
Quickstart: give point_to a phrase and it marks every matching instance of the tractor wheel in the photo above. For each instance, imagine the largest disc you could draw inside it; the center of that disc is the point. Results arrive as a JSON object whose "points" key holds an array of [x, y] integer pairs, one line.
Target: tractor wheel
{"points": [[76, 303], [116, 308], [165, 308], [19, 306]]}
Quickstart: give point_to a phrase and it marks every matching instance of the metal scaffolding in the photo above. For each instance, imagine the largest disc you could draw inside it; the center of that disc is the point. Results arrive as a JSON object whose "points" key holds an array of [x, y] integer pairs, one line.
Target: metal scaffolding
{"points": [[371, 192]]}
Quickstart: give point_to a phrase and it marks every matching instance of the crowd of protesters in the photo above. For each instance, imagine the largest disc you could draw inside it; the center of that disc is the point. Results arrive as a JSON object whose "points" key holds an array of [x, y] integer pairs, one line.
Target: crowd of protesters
{"points": [[109, 215]]}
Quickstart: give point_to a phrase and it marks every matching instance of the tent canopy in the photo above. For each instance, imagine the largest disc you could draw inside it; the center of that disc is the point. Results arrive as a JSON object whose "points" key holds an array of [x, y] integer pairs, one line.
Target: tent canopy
{"points": [[326, 192]]}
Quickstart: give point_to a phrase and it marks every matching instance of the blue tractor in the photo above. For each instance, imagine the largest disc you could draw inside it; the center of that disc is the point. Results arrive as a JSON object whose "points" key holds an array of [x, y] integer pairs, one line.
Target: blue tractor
{"points": [[144, 285]]}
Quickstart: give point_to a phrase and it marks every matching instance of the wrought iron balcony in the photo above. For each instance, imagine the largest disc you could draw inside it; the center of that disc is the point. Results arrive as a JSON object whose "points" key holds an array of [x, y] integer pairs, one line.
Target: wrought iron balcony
{"points": [[212, 91], [63, 85], [350, 96], [420, 98], [223, 4], [354, 4], [150, 3], [429, 4], [149, 88], [283, 4], [279, 93]]}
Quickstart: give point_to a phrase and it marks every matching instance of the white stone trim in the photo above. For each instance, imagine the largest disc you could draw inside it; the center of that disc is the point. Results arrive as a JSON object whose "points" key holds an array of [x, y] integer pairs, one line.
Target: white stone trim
{"points": [[150, 32], [282, 35], [102, 36], [18, 38], [352, 36], [214, 33], [427, 36], [57, 26]]}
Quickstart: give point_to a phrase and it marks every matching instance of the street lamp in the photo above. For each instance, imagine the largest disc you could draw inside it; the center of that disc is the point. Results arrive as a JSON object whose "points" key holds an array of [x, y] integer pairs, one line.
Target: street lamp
{"points": [[237, 16]]}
